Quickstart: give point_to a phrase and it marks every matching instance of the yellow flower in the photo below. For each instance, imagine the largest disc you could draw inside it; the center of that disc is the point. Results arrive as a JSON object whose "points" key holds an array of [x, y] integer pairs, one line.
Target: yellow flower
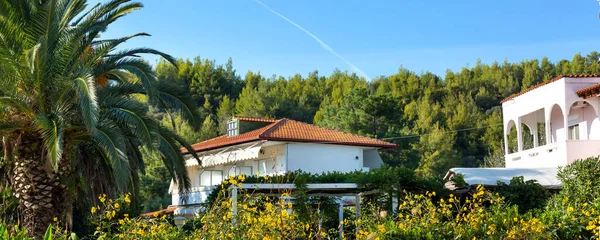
{"points": [[117, 205], [570, 209], [381, 228], [94, 210], [102, 198], [127, 200], [121, 221], [55, 219], [126, 215], [155, 215], [97, 228]]}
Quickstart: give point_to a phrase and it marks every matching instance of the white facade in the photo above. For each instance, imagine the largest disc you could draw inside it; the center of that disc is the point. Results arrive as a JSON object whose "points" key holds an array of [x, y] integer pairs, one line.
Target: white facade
{"points": [[570, 125], [268, 158]]}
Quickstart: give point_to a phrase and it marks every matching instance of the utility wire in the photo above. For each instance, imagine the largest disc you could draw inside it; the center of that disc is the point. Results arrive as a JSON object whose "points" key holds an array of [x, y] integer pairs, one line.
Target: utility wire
{"points": [[441, 132]]}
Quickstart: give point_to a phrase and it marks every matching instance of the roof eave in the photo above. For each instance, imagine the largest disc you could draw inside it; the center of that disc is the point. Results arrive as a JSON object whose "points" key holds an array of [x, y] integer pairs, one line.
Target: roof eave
{"points": [[383, 145]]}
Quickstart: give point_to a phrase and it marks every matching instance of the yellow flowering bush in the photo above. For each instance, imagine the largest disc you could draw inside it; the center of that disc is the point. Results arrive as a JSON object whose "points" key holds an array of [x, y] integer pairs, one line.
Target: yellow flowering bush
{"points": [[482, 215], [257, 217], [113, 223]]}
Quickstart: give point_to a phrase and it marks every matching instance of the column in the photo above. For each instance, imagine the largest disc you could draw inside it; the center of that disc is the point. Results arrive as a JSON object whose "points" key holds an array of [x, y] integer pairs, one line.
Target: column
{"points": [[534, 132], [548, 132], [506, 131], [566, 132], [519, 135]]}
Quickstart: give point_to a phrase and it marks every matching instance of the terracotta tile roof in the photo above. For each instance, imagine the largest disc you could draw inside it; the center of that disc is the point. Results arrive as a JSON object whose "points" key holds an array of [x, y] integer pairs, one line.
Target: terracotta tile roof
{"points": [[547, 82], [590, 91], [168, 210], [255, 119], [292, 131], [223, 140]]}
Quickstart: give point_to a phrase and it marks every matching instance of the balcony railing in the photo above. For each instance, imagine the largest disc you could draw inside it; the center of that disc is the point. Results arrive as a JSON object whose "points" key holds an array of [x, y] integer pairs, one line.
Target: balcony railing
{"points": [[550, 155], [554, 154]]}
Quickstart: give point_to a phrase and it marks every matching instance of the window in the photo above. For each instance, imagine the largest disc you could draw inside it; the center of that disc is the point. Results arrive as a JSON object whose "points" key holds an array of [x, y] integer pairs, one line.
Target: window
{"points": [[232, 128], [238, 170], [211, 177], [262, 167], [574, 132]]}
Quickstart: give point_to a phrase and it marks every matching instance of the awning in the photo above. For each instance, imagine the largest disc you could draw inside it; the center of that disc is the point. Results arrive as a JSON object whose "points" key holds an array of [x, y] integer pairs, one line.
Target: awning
{"points": [[490, 176], [228, 155]]}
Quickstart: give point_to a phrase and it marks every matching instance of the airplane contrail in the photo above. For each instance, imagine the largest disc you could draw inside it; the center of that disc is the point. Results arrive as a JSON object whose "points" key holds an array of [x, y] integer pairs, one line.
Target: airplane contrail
{"points": [[323, 44]]}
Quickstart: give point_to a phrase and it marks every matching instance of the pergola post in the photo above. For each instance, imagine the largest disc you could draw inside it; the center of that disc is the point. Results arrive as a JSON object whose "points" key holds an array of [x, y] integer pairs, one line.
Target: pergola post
{"points": [[341, 217], [357, 210], [233, 204]]}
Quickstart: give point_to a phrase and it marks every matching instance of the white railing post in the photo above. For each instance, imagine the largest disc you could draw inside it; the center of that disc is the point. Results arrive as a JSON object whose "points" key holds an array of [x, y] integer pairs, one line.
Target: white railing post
{"points": [[341, 217], [233, 204]]}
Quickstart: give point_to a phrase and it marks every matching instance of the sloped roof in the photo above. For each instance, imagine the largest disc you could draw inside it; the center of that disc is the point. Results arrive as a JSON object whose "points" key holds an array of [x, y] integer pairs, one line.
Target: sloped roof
{"points": [[167, 210], [589, 91], [255, 119], [292, 131], [547, 82]]}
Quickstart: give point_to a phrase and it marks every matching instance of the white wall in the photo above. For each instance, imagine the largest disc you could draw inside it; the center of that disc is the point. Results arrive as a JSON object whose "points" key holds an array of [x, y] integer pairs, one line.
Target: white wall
{"points": [[319, 158], [555, 99], [372, 159]]}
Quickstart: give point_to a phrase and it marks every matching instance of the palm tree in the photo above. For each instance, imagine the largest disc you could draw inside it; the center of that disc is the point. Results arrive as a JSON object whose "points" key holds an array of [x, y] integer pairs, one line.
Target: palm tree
{"points": [[74, 110]]}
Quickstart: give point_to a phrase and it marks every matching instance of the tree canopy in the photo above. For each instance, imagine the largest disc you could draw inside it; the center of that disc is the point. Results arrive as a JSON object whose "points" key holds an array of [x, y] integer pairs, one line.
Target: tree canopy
{"points": [[438, 122]]}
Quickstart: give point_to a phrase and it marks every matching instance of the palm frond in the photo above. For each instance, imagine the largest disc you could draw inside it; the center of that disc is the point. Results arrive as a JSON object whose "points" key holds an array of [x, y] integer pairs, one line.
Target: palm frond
{"points": [[17, 103], [142, 70], [51, 133], [172, 158], [128, 114], [135, 53], [173, 97], [112, 142], [86, 91]]}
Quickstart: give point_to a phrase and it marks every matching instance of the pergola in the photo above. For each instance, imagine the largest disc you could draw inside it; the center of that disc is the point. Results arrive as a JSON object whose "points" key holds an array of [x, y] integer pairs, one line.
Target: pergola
{"points": [[313, 190]]}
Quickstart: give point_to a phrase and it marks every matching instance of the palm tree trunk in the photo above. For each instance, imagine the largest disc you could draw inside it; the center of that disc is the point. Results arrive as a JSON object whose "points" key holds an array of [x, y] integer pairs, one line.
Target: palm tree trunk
{"points": [[40, 194]]}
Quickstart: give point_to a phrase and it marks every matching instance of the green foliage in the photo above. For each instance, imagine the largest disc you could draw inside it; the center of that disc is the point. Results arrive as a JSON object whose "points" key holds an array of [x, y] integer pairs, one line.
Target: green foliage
{"points": [[581, 180], [387, 179], [527, 195], [83, 100], [575, 209], [154, 184], [437, 124]]}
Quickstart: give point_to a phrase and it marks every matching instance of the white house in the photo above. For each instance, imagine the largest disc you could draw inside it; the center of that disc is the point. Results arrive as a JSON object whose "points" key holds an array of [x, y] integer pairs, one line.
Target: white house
{"points": [[272, 147], [559, 122]]}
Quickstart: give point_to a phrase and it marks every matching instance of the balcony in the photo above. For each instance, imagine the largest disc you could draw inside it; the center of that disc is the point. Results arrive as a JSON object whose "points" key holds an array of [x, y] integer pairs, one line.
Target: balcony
{"points": [[554, 154]]}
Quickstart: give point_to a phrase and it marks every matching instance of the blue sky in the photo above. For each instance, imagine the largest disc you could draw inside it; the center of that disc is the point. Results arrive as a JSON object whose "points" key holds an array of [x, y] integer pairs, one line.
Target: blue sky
{"points": [[376, 36]]}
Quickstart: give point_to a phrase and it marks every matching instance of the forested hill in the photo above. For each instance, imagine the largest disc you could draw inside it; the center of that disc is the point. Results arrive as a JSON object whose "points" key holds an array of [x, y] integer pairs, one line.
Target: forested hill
{"points": [[438, 123]]}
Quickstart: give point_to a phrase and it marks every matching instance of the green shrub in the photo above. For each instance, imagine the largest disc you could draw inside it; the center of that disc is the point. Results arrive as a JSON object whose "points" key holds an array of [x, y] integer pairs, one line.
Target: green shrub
{"points": [[575, 211], [527, 195]]}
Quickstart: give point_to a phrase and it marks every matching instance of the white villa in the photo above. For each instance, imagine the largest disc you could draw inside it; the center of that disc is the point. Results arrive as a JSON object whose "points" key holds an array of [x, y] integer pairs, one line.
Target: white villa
{"points": [[561, 118], [258, 146], [559, 123]]}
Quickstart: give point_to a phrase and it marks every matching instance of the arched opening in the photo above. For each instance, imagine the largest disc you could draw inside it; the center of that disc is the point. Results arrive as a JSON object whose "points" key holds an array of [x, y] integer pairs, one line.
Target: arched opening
{"points": [[557, 124], [581, 121], [512, 137], [527, 136]]}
